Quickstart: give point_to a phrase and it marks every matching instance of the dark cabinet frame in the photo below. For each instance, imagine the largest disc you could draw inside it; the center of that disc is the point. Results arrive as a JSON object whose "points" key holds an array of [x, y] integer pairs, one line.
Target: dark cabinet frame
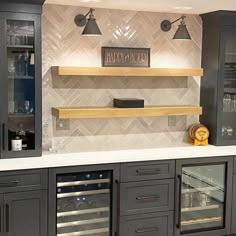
{"points": [[53, 172], [228, 194], [5, 153], [216, 25]]}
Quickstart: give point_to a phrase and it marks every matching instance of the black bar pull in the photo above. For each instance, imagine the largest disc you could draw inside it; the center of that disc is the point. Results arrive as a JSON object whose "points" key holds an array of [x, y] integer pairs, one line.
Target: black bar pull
{"points": [[146, 230], [9, 183], [179, 201], [148, 171], [7, 218], [117, 233], [0, 218], [148, 198], [3, 136]]}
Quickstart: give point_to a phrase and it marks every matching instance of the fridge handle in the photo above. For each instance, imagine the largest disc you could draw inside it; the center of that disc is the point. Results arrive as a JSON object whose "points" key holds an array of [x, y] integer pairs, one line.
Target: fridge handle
{"points": [[179, 179], [3, 127], [118, 208], [7, 218]]}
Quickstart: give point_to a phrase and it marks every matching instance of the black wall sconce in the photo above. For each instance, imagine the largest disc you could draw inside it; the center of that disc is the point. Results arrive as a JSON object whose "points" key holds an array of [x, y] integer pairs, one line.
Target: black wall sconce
{"points": [[181, 33], [91, 28]]}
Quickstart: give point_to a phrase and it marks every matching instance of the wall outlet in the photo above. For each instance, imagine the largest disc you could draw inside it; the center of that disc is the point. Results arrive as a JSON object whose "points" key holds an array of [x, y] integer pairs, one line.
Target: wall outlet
{"points": [[62, 124], [171, 120]]}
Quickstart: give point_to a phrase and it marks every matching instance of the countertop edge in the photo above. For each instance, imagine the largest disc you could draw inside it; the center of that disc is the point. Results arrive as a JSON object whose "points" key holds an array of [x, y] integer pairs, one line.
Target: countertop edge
{"points": [[112, 157]]}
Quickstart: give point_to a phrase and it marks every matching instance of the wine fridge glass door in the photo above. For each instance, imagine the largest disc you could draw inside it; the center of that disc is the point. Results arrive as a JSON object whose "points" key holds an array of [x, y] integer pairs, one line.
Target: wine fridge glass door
{"points": [[202, 198]]}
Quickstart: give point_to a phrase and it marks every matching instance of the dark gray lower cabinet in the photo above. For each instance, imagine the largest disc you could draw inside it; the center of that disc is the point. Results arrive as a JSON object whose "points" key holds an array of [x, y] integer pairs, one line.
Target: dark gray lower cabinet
{"points": [[152, 224], [25, 213], [147, 196], [23, 203]]}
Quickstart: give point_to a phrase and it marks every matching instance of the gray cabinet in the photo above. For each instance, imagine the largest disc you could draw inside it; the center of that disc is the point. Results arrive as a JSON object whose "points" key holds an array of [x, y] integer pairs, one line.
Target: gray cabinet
{"points": [[147, 170], [153, 224], [147, 198], [23, 203], [25, 213], [20, 80], [218, 93]]}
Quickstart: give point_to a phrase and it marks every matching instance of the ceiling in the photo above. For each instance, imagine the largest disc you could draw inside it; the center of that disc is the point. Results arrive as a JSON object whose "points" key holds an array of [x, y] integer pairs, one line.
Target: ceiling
{"points": [[177, 6]]}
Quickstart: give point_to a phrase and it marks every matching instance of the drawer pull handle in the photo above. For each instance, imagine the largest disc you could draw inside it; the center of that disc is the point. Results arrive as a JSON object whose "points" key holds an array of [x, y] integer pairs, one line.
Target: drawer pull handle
{"points": [[148, 198], [148, 171], [10, 183], [146, 230]]}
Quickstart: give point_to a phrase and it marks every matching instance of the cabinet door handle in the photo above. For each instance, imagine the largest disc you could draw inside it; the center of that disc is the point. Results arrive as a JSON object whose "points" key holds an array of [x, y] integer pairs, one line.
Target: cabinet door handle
{"points": [[148, 171], [179, 177], [9, 183], [146, 230], [117, 233], [3, 136], [7, 218], [0, 218], [148, 198]]}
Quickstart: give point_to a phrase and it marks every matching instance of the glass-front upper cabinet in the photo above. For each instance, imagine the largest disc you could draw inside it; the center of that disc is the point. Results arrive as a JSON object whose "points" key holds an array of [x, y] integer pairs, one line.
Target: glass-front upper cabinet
{"points": [[21, 126], [228, 126], [218, 86], [204, 190]]}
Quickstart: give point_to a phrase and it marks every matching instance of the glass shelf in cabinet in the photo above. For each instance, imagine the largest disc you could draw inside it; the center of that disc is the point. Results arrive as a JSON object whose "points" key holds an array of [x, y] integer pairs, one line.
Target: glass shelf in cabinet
{"points": [[21, 46], [17, 77], [200, 208]]}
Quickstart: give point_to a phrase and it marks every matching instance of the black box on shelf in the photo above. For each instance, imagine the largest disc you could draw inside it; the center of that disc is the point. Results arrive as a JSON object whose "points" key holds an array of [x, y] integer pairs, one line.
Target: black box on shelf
{"points": [[128, 103]]}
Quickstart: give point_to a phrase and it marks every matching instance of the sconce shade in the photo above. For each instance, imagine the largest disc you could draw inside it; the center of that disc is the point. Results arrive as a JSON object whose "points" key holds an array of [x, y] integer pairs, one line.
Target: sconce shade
{"points": [[91, 28], [182, 32]]}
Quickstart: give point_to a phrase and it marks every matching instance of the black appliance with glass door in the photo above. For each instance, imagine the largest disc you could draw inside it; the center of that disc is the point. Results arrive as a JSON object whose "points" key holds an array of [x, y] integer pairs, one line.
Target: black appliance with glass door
{"points": [[84, 200], [218, 86], [204, 189], [20, 80]]}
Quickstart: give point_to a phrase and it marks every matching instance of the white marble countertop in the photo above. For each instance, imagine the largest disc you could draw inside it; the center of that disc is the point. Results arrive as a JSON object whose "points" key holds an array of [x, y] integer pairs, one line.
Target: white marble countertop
{"points": [[105, 157]]}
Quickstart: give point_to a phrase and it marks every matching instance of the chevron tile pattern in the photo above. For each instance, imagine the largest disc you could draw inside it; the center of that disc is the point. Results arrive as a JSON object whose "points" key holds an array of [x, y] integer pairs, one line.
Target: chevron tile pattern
{"points": [[63, 45]]}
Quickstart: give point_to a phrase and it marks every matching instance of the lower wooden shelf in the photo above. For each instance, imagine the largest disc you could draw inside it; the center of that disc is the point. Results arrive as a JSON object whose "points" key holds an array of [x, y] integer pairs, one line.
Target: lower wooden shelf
{"points": [[111, 112]]}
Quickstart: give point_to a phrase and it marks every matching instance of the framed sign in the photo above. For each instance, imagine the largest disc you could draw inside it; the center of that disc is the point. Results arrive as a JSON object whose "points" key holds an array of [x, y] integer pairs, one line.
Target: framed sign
{"points": [[125, 57]]}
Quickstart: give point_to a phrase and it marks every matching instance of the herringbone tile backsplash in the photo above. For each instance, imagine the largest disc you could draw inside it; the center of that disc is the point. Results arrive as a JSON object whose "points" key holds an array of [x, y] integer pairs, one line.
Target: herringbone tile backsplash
{"points": [[63, 45]]}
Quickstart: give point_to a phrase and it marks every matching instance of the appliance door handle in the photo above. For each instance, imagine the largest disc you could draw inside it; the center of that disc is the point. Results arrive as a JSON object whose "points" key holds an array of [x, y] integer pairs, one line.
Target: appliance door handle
{"points": [[146, 230], [179, 184], [148, 171], [148, 198], [2, 136], [7, 218], [0, 218], [117, 233]]}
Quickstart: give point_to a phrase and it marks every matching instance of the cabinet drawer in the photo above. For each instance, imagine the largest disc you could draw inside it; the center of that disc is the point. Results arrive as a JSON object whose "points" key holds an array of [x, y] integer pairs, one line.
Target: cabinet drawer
{"points": [[12, 181], [154, 224], [147, 170], [146, 196]]}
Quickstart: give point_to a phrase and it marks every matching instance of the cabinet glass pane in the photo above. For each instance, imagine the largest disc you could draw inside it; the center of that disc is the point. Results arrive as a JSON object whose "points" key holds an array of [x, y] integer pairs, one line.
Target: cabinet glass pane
{"points": [[229, 97], [84, 204], [202, 198], [21, 85]]}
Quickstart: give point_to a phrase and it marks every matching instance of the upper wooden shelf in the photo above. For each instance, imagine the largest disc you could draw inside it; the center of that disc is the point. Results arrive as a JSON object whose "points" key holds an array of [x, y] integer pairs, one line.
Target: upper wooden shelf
{"points": [[128, 71], [111, 112]]}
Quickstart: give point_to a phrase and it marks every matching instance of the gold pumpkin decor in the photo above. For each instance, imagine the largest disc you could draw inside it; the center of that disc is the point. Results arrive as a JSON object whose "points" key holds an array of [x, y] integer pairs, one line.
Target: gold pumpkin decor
{"points": [[198, 135]]}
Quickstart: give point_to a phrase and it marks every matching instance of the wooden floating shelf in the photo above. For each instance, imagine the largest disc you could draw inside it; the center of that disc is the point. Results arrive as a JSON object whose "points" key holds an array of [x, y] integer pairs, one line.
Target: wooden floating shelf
{"points": [[128, 71], [111, 112]]}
